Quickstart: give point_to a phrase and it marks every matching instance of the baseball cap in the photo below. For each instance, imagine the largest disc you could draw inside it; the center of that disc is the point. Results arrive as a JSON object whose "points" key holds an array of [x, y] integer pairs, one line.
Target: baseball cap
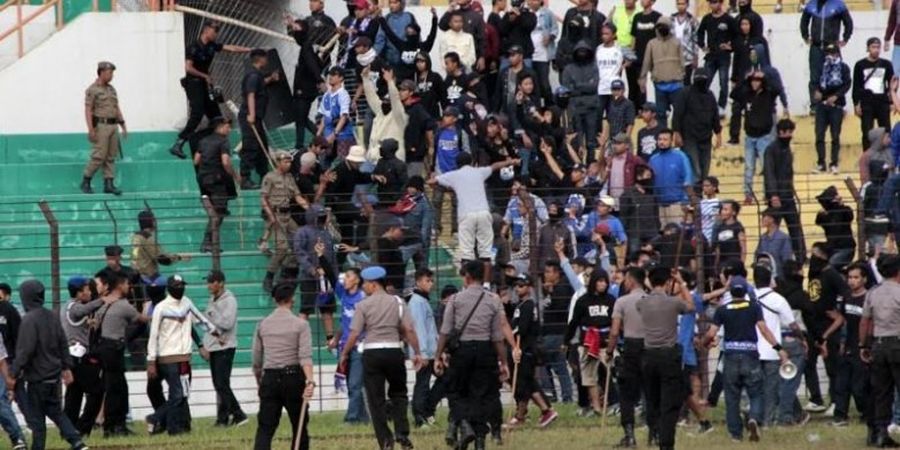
{"points": [[175, 281], [78, 282], [451, 111], [214, 276], [113, 250], [617, 84], [282, 155], [738, 287], [373, 273], [515, 48], [831, 48], [649, 106], [523, 278], [308, 159], [606, 200], [361, 3], [106, 65]]}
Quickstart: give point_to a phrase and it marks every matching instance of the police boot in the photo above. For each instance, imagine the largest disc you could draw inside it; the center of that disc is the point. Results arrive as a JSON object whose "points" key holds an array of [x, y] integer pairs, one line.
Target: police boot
{"points": [[176, 149], [405, 443], [86, 185], [452, 431], [479, 443], [110, 188], [466, 434], [628, 441]]}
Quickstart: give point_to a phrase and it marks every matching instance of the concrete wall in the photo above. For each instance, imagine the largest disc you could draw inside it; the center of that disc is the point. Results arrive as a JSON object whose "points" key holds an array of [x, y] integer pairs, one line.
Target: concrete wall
{"points": [[44, 91]]}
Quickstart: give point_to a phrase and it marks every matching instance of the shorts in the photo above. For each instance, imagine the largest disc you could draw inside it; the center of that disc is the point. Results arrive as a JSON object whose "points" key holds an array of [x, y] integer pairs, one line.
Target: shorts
{"points": [[590, 368], [687, 372], [310, 301], [476, 234]]}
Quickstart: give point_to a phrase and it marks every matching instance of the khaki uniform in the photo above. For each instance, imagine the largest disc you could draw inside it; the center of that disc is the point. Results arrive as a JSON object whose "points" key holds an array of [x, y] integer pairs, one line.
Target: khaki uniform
{"points": [[104, 104], [280, 189], [146, 254]]}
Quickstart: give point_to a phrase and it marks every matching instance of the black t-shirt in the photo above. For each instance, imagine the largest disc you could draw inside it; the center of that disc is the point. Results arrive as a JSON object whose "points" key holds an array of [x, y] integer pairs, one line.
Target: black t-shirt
{"points": [[255, 82], [646, 140], [727, 239], [341, 190], [212, 148], [556, 314], [824, 293], [739, 319], [643, 28], [454, 86], [852, 308], [202, 54], [9, 327], [524, 323], [390, 257]]}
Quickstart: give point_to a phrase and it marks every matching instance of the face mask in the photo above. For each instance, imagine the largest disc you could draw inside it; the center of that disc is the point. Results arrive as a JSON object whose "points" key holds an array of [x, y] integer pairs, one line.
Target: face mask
{"points": [[176, 293], [816, 265], [700, 83], [645, 182], [364, 59]]}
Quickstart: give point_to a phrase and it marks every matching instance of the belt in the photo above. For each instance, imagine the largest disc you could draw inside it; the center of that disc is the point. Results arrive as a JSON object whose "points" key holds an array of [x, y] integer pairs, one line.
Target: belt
{"points": [[108, 121], [662, 349], [886, 339], [284, 370], [381, 345]]}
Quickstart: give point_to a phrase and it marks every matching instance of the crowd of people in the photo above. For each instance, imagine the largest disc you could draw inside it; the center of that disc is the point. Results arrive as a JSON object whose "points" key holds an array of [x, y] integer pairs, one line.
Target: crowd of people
{"points": [[599, 263]]}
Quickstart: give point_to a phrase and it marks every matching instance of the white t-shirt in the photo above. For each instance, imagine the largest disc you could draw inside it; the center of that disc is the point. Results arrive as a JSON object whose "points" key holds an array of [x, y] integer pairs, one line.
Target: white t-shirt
{"points": [[778, 314], [540, 53], [609, 63], [468, 184]]}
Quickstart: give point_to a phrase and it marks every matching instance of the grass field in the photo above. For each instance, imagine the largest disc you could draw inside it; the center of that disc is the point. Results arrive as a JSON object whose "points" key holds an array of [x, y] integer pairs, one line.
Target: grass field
{"points": [[569, 432]]}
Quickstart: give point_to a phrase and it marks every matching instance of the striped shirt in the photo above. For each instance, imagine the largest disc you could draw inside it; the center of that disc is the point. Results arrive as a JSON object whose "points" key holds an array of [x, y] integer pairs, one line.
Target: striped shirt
{"points": [[709, 212]]}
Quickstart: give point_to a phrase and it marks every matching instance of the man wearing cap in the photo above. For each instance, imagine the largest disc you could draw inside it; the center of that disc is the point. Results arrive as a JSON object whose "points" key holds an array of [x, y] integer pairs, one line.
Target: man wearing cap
{"points": [[646, 137], [661, 368], [255, 142], [602, 214], [628, 323], [504, 96], [218, 348], [662, 60], [621, 166], [146, 253], [741, 319], [86, 369], [830, 98], [277, 193], [620, 114], [104, 117], [113, 255], [283, 367], [386, 322], [216, 175], [335, 124], [169, 351], [695, 118], [474, 378], [198, 82], [42, 360], [112, 320]]}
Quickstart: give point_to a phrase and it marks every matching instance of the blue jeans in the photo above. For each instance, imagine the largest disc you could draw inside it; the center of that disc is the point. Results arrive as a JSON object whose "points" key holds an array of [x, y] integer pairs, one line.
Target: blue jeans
{"points": [[172, 414], [770, 390], [664, 101], [7, 416], [754, 149], [555, 362], [742, 372], [787, 390], [720, 63], [356, 405]]}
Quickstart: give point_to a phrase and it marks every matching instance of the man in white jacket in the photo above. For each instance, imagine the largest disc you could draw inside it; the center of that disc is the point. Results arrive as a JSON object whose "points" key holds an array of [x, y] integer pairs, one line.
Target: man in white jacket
{"points": [[169, 355], [390, 117]]}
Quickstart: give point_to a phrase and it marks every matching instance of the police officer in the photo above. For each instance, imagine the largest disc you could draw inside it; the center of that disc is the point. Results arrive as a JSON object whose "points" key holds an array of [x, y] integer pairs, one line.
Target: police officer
{"points": [[251, 117], [478, 365], [661, 365], [278, 189], [879, 343], [104, 117], [197, 82], [627, 323], [386, 322], [216, 175], [283, 366], [146, 253]]}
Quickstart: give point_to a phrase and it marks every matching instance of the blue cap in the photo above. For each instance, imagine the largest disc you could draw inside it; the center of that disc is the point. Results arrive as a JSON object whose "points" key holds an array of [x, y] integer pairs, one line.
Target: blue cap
{"points": [[373, 273], [78, 282], [739, 287]]}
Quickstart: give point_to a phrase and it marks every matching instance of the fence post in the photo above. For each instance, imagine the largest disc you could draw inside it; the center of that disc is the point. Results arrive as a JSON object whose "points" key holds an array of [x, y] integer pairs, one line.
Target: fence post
{"points": [[860, 221], [214, 229], [54, 251]]}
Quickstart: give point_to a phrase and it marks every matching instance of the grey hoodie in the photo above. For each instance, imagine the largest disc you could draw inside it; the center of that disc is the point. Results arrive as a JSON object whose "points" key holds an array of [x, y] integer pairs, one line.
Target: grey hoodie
{"points": [[42, 351], [305, 243], [222, 312]]}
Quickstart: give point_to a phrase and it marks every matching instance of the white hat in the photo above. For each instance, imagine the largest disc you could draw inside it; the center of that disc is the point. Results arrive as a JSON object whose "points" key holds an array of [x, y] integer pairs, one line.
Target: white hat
{"points": [[357, 154], [607, 200], [308, 159]]}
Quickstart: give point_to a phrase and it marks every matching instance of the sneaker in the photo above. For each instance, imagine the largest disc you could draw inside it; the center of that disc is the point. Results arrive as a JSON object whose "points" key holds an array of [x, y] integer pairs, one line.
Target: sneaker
{"points": [[430, 420], [819, 168], [879, 218], [814, 407], [513, 423], [834, 169], [778, 8], [612, 410], [78, 446], [830, 411], [705, 427], [21, 445], [582, 412], [753, 429], [547, 418], [839, 423], [894, 432], [151, 424]]}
